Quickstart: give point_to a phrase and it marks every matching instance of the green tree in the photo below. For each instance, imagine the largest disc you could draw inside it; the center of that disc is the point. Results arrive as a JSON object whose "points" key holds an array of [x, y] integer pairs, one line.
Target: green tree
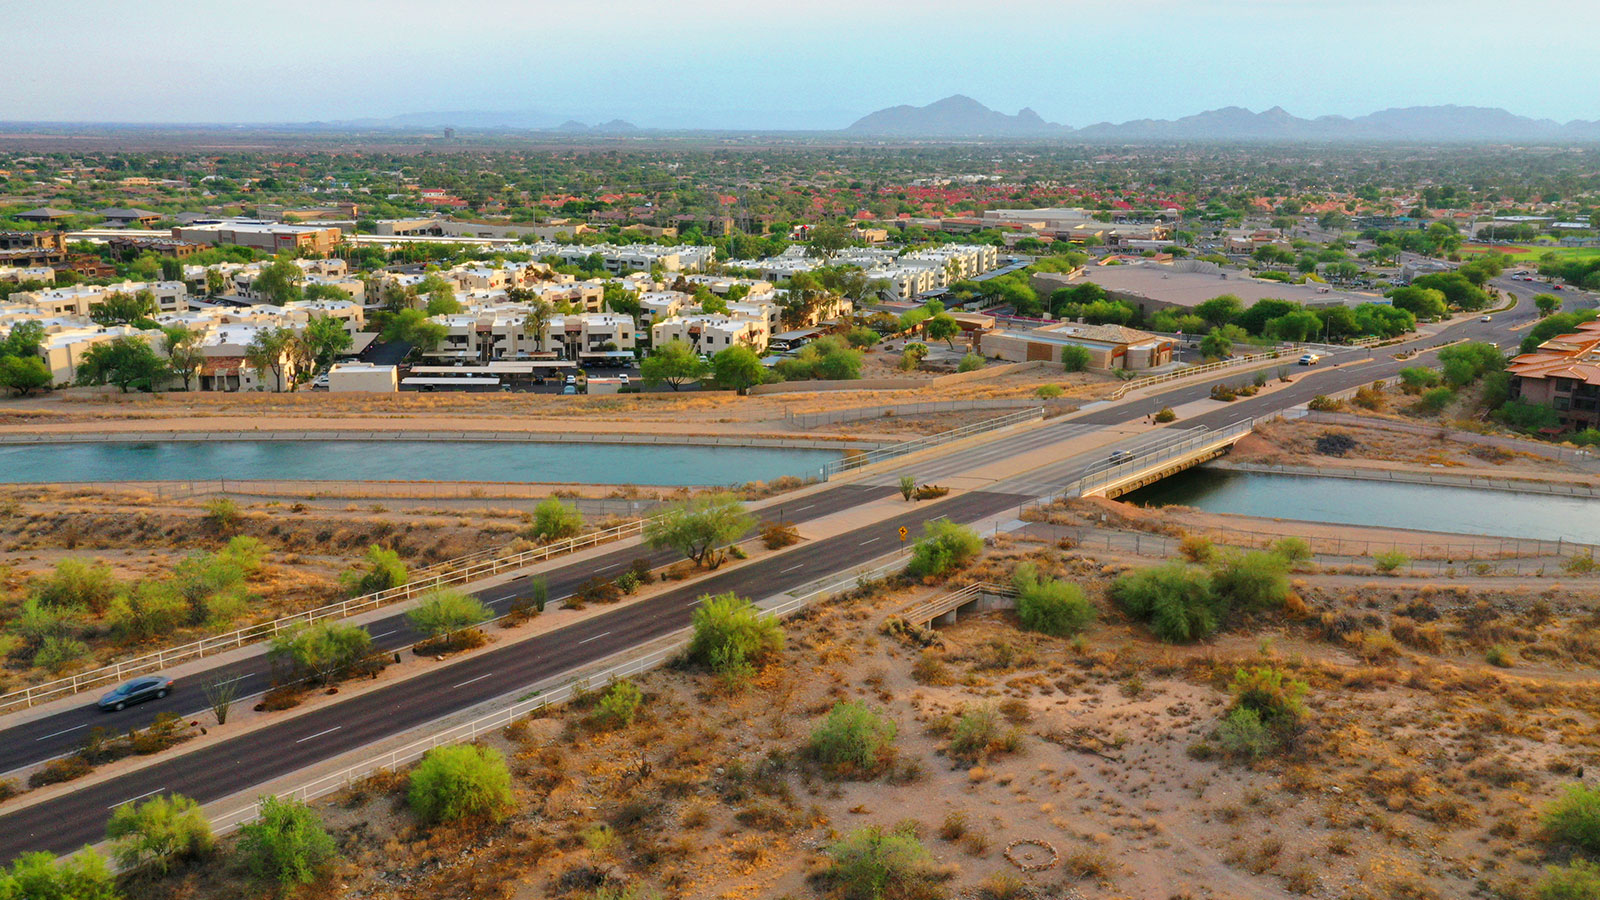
{"points": [[1075, 358], [383, 571], [1256, 580], [1546, 303], [122, 308], [77, 583], [942, 327], [1216, 345], [554, 519], [913, 355], [24, 374], [288, 846], [411, 326], [874, 864], [26, 338], [827, 239], [441, 297], [40, 876], [184, 356], [944, 546], [321, 651], [731, 636], [738, 367], [125, 362], [1424, 303], [1466, 363], [699, 527], [159, 832], [326, 338], [861, 337], [445, 612], [675, 363], [1050, 606], [1177, 601], [149, 609], [1219, 311], [854, 741], [278, 282], [461, 781]]}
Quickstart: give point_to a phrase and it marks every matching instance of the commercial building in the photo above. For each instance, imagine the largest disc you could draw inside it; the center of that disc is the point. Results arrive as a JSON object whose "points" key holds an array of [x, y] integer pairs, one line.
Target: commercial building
{"points": [[364, 377], [1110, 347], [274, 237], [1151, 287], [1564, 372]]}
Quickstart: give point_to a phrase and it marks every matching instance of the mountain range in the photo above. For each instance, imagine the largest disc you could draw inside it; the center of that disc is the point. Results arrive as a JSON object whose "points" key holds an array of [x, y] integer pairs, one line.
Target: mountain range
{"points": [[959, 116]]}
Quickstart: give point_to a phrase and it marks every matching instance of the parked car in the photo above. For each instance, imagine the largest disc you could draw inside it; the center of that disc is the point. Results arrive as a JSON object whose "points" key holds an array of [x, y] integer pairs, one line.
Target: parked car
{"points": [[570, 389], [623, 377], [320, 383], [148, 687], [1310, 359], [572, 379]]}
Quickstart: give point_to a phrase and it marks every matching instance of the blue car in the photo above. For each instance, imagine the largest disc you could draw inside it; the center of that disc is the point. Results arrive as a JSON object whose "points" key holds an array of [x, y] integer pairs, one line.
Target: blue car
{"points": [[148, 687]]}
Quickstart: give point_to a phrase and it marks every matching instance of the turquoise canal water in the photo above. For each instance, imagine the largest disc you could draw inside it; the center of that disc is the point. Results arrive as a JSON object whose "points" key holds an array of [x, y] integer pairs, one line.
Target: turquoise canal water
{"points": [[645, 464], [1456, 510]]}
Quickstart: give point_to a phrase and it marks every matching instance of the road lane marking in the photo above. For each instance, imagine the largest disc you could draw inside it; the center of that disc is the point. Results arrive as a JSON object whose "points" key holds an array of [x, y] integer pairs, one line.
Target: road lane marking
{"points": [[595, 638], [604, 568], [471, 680], [806, 507], [319, 734], [867, 541], [63, 731], [384, 634], [791, 569], [140, 797]]}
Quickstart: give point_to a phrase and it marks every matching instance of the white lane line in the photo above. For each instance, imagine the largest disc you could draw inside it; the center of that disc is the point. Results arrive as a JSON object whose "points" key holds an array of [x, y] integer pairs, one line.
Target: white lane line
{"points": [[806, 507], [791, 569], [319, 734], [140, 797], [385, 633], [62, 731], [471, 680], [868, 541], [239, 677], [595, 638], [604, 568]]}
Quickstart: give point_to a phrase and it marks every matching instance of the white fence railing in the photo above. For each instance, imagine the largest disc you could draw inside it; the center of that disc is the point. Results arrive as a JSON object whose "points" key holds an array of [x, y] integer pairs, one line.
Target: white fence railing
{"points": [[858, 460], [1109, 472], [618, 666], [464, 569]]}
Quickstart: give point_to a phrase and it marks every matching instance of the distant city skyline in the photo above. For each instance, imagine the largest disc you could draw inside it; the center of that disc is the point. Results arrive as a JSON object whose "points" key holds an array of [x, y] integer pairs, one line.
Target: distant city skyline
{"points": [[814, 65]]}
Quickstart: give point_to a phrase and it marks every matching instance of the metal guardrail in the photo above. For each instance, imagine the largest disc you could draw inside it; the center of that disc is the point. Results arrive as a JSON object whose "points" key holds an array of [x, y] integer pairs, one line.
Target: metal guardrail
{"points": [[811, 420], [858, 460], [619, 666], [1109, 472], [450, 572]]}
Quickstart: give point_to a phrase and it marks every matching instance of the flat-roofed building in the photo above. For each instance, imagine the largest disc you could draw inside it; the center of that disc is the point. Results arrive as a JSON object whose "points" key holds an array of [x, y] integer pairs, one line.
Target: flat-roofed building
{"points": [[711, 333], [363, 377], [1150, 287], [1110, 347], [273, 237]]}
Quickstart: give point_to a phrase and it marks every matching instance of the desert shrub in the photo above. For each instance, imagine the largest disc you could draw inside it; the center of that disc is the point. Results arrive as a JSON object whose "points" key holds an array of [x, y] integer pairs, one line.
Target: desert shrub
{"points": [[159, 832], [1369, 397], [1049, 391], [1574, 819], [978, 733], [1197, 548], [853, 741], [1580, 880], [56, 771], [1417, 379], [147, 610], [1075, 359], [944, 546], [776, 535], [1253, 581], [383, 570], [731, 637], [598, 589], [222, 514], [77, 583], [57, 654], [1324, 403], [322, 651], [1267, 712], [1224, 392], [1434, 400], [1242, 735], [1292, 549], [40, 876], [8, 789], [1390, 561], [619, 705], [1050, 606], [971, 362], [1177, 601], [1166, 415], [874, 864], [446, 612], [554, 520], [1581, 564], [1499, 656], [460, 781], [287, 846]]}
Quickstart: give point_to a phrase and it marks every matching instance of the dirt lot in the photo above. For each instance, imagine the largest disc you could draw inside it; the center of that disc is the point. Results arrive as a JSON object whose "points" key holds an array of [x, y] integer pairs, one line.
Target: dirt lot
{"points": [[1419, 772]]}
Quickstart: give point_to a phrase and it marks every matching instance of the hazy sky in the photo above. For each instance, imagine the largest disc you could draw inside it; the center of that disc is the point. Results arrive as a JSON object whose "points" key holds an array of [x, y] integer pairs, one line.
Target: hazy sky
{"points": [[796, 63]]}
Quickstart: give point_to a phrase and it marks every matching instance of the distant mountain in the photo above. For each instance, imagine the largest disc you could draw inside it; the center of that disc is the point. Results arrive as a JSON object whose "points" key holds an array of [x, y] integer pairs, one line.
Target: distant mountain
{"points": [[957, 116], [963, 117]]}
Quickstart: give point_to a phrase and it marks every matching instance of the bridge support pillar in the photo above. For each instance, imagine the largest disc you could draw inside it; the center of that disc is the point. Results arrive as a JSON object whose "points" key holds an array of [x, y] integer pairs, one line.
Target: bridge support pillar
{"points": [[948, 618]]}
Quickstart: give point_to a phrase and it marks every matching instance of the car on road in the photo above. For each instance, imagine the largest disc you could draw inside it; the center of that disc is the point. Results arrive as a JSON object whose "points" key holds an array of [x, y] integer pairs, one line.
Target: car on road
{"points": [[1486, 318], [147, 687], [1118, 457], [1310, 359]]}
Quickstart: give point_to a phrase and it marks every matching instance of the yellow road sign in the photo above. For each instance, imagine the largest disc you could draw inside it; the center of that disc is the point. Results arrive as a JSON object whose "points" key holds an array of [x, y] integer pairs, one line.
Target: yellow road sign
{"points": [[903, 532]]}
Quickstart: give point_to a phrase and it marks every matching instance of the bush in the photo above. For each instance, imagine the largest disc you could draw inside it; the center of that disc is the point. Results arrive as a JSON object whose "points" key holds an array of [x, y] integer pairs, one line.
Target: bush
{"points": [[1578, 881], [1390, 561], [731, 637], [1324, 403], [1254, 581], [619, 705], [554, 520], [40, 876], [1175, 600], [1574, 819], [287, 846], [1075, 359], [322, 651], [1292, 549], [776, 535], [873, 864], [1224, 392], [150, 609], [598, 589], [1277, 699], [1242, 735], [446, 611], [971, 362], [222, 514], [1435, 400], [76, 584], [1166, 415], [1049, 391], [57, 654], [1050, 606], [1197, 548], [1416, 379], [978, 734], [944, 546], [159, 832], [384, 570], [56, 771], [461, 781], [854, 741]]}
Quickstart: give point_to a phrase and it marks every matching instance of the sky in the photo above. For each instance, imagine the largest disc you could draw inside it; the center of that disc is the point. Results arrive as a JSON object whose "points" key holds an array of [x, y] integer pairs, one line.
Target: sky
{"points": [[806, 64]]}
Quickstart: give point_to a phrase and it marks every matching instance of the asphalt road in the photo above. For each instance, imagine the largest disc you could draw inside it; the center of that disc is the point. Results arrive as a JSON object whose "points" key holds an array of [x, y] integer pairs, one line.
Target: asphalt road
{"points": [[69, 821]]}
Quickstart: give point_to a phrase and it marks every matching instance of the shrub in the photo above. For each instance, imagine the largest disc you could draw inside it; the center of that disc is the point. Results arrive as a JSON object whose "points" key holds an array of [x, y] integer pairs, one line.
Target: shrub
{"points": [[322, 651], [384, 570], [159, 832], [1050, 606], [445, 612], [1324, 403], [598, 589], [77, 583], [460, 781], [1242, 735], [1049, 391], [1390, 561], [1292, 549], [971, 362], [1074, 359], [776, 535], [1166, 415], [873, 864], [1277, 699], [222, 514], [1416, 379], [1197, 548], [1435, 400], [287, 846], [908, 487], [1253, 581], [854, 741], [1175, 600], [1574, 819], [619, 705], [943, 547], [978, 734], [731, 637], [1499, 656], [59, 653], [148, 610], [698, 528], [40, 876], [554, 520], [1579, 880], [56, 771], [1224, 392]]}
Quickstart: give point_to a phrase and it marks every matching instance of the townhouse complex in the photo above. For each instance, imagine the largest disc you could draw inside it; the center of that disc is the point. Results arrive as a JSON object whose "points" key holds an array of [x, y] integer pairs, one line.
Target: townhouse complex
{"points": [[904, 276]]}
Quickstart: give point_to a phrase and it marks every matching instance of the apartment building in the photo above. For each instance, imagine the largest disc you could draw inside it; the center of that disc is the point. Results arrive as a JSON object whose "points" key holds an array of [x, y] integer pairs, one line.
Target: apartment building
{"points": [[79, 299], [1564, 373], [65, 344], [575, 335], [711, 333], [274, 237]]}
